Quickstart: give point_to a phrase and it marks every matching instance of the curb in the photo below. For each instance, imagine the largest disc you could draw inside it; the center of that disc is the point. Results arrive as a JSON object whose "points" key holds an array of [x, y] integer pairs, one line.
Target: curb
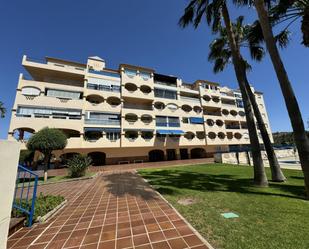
{"points": [[187, 223]]}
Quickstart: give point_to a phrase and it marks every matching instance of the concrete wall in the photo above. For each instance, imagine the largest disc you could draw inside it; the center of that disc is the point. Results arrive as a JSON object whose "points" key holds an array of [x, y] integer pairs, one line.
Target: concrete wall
{"points": [[9, 154]]}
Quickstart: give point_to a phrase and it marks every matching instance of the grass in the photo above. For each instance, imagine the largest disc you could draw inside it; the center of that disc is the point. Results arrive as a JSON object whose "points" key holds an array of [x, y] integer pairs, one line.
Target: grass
{"points": [[43, 205], [273, 217], [53, 179]]}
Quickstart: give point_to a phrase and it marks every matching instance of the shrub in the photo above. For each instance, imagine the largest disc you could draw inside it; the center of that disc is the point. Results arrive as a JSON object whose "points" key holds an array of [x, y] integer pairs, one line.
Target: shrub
{"points": [[78, 165]]}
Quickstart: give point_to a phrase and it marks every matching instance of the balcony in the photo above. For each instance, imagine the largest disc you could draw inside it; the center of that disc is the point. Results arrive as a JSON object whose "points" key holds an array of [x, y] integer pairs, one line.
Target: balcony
{"points": [[190, 99], [161, 124], [137, 107], [105, 73], [102, 122], [112, 88]]}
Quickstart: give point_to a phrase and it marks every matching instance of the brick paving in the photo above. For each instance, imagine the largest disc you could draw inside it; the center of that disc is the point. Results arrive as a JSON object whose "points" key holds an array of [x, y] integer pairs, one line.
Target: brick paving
{"points": [[131, 166], [115, 210]]}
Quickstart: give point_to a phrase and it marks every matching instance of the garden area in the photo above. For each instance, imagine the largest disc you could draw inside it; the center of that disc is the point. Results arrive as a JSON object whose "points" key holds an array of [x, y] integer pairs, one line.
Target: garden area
{"points": [[273, 217]]}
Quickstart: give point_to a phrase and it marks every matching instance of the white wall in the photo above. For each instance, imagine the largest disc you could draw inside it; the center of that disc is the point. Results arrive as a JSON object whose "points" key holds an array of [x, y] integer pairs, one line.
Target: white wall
{"points": [[9, 155]]}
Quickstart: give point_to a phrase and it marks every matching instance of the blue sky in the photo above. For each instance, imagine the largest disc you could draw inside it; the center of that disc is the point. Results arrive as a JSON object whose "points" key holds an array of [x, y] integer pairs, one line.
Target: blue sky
{"points": [[137, 32]]}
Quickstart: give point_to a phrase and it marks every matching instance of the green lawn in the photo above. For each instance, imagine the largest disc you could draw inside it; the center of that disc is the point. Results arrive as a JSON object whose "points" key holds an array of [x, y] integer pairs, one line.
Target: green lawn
{"points": [[276, 217], [54, 179]]}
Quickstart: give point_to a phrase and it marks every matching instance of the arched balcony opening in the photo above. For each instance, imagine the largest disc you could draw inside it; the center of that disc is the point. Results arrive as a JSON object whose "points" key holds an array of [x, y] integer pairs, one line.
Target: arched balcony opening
{"points": [[186, 108], [130, 87], [221, 135], [212, 135], [172, 107], [98, 158], [219, 123], [189, 135], [131, 118], [114, 101], [147, 135], [242, 113], [30, 91], [225, 112], [95, 99], [146, 119], [131, 135], [233, 113], [156, 155], [93, 134], [197, 109], [198, 153], [145, 89], [210, 122], [206, 98], [70, 133], [237, 135], [200, 135], [159, 105], [23, 133], [215, 99]]}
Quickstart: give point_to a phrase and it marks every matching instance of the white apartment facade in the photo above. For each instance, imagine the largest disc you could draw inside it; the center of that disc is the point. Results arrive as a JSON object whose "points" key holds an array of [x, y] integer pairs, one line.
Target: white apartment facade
{"points": [[131, 114]]}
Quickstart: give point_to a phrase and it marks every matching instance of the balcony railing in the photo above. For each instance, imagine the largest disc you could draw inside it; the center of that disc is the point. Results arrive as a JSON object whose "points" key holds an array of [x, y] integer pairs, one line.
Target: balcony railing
{"points": [[105, 73], [234, 127], [165, 83], [212, 113], [102, 122], [103, 88], [167, 124], [137, 107], [196, 100]]}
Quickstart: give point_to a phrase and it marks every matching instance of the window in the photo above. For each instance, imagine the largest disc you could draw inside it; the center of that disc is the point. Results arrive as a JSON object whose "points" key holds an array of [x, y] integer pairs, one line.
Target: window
{"points": [[102, 118], [239, 103], [167, 121], [185, 120], [107, 88], [113, 136], [167, 94]]}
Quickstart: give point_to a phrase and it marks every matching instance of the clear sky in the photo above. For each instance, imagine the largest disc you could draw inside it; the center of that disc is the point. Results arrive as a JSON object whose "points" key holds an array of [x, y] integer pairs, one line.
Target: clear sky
{"points": [[137, 32]]}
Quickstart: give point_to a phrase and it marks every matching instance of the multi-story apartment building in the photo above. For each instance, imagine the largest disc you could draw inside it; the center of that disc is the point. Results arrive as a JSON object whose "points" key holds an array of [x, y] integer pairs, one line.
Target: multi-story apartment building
{"points": [[131, 114]]}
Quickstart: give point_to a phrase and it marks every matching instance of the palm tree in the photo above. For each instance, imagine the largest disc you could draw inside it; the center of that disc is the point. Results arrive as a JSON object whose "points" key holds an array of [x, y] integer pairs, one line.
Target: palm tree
{"points": [[291, 10], [213, 11], [220, 54], [299, 132], [2, 110]]}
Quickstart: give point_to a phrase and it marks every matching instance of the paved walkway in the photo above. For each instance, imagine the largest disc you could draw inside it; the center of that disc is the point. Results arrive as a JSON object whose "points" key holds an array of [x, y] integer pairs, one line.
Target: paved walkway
{"points": [[126, 167], [114, 210]]}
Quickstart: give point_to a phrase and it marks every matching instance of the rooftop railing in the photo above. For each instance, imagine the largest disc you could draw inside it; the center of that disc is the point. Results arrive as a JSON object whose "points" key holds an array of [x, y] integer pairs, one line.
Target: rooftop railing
{"points": [[105, 73]]}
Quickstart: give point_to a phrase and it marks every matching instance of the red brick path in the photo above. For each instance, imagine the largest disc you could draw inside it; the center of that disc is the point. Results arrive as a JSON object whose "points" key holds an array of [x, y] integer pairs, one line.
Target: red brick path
{"points": [[114, 210]]}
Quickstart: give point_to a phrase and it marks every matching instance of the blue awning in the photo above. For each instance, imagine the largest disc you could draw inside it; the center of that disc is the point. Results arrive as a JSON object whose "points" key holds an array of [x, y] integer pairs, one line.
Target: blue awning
{"points": [[170, 132], [194, 120]]}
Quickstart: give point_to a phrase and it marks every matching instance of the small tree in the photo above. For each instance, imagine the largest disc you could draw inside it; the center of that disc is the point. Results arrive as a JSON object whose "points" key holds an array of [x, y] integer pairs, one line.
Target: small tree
{"points": [[78, 165], [45, 141]]}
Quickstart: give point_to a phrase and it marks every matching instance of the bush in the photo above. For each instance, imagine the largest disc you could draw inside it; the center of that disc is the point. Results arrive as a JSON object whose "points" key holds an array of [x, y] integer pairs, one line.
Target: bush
{"points": [[78, 165]]}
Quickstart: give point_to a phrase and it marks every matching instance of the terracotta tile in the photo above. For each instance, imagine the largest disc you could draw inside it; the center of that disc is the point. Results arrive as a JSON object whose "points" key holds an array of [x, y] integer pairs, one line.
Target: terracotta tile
{"points": [[140, 240], [123, 233], [193, 240], [161, 245], [38, 246], [172, 233], [177, 243], [123, 243], [108, 235], [107, 245], [138, 230], [156, 236]]}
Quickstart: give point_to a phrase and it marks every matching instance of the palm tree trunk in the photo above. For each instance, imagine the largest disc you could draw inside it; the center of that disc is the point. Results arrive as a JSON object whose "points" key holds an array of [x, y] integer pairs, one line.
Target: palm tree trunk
{"points": [[305, 27], [276, 173], [301, 140], [260, 178]]}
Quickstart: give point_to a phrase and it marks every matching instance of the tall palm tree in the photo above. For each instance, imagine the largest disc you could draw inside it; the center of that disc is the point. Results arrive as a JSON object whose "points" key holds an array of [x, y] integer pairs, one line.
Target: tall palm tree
{"points": [[220, 54], [2, 110], [213, 11], [291, 10], [299, 132]]}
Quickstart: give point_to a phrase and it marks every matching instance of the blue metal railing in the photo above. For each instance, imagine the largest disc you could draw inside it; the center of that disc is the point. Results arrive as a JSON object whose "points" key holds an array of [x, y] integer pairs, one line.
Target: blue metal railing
{"points": [[22, 201]]}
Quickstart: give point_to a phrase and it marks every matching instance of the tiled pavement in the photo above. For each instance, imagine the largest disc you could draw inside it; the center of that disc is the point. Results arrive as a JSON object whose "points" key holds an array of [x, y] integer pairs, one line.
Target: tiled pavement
{"points": [[114, 210], [130, 166]]}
